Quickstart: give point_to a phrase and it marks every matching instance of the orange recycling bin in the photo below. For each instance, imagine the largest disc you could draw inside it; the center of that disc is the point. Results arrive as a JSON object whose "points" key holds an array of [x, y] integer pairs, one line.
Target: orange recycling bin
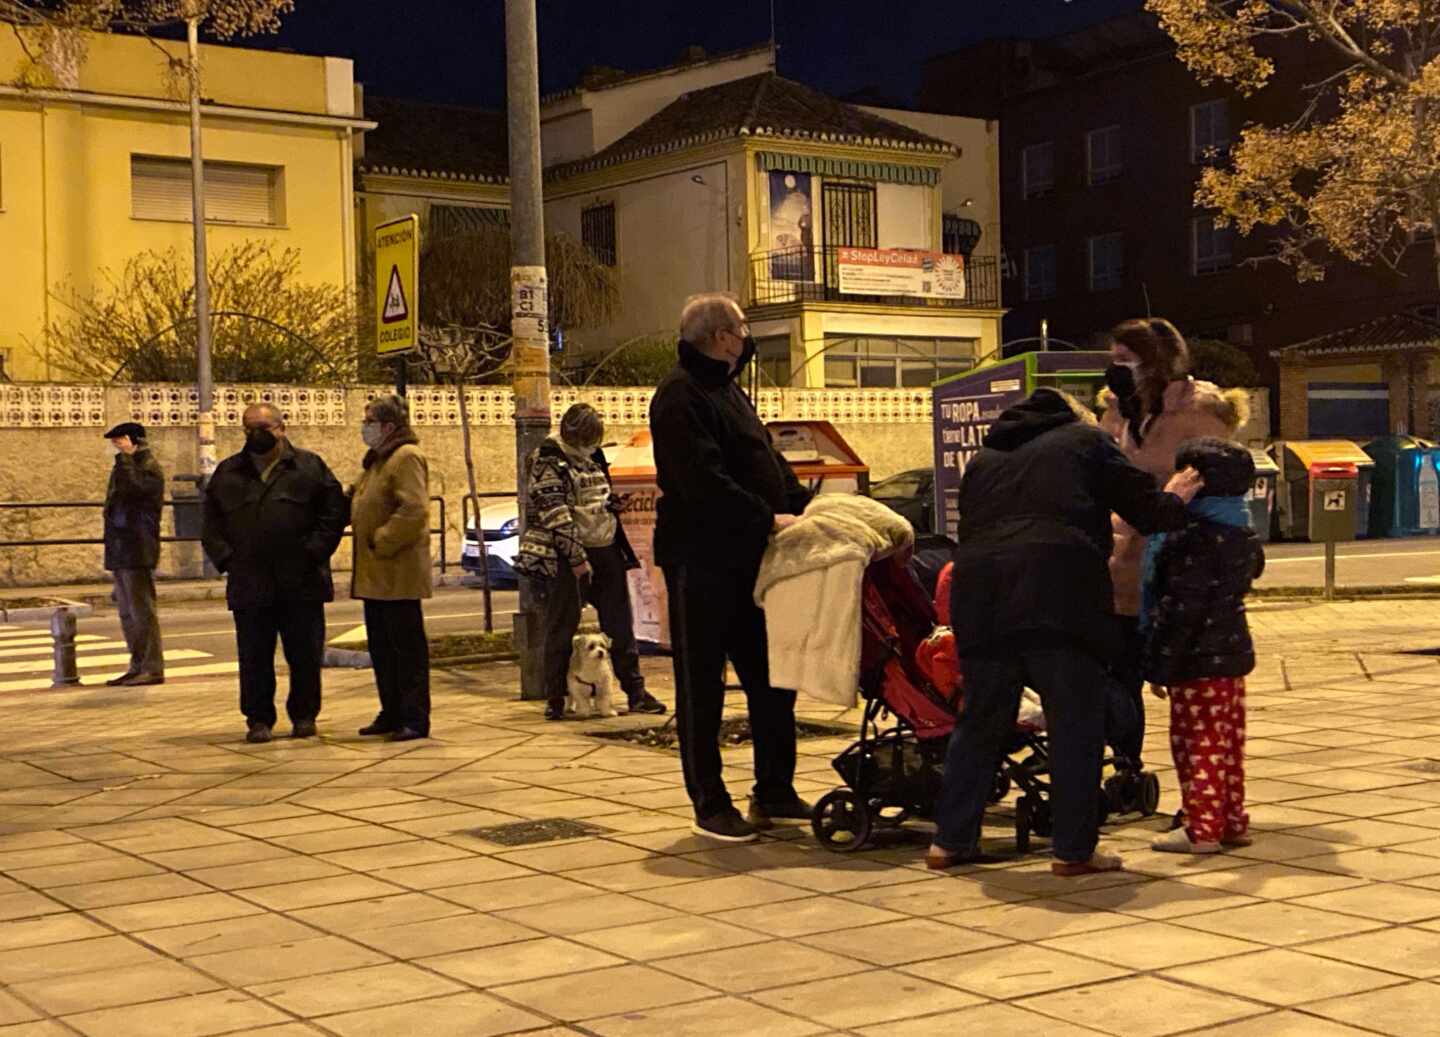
{"points": [[823, 461]]}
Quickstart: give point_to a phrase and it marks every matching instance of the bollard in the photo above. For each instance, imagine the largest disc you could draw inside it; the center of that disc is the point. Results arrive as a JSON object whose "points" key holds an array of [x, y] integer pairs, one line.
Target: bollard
{"points": [[62, 629]]}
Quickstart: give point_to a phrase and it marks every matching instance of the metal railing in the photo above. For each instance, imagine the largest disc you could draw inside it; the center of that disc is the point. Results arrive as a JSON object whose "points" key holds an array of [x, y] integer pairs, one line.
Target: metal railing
{"points": [[442, 562], [808, 275]]}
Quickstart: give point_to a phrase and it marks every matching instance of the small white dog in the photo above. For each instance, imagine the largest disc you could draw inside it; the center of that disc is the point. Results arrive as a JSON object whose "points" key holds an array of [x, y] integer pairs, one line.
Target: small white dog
{"points": [[591, 681]]}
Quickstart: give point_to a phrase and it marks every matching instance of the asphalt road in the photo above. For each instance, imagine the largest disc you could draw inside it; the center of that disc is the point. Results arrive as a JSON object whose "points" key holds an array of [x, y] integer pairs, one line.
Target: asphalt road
{"points": [[1361, 563], [205, 626]]}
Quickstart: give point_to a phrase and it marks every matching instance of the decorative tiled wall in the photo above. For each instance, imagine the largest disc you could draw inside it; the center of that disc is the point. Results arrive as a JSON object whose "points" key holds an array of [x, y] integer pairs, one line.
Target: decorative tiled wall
{"points": [[440, 406], [160, 406], [52, 406]]}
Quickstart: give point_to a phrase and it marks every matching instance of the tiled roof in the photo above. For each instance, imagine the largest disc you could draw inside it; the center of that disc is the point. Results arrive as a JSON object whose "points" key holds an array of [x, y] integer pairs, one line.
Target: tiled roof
{"points": [[1399, 332], [601, 78], [436, 141], [764, 105]]}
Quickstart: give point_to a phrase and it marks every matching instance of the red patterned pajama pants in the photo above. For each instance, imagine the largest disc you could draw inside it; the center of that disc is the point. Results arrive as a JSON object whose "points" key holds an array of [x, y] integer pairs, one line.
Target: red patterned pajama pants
{"points": [[1207, 738]]}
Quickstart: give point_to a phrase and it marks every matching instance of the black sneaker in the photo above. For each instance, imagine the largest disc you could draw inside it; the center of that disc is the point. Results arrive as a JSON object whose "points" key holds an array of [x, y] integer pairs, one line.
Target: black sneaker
{"points": [[258, 734], [726, 827], [377, 727], [555, 712], [303, 729], [764, 815], [406, 734], [115, 682], [647, 703]]}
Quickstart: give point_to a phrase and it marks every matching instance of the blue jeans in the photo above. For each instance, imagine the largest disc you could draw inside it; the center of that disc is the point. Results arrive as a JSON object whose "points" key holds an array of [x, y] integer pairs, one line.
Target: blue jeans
{"points": [[1072, 685]]}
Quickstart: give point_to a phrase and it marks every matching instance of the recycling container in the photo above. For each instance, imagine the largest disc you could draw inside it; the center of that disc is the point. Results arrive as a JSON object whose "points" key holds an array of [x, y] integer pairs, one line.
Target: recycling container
{"points": [[1405, 492], [1295, 458]]}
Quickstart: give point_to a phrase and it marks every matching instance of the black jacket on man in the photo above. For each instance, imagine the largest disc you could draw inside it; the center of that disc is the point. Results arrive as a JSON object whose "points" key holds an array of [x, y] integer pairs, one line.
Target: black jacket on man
{"points": [[132, 511], [1034, 534], [273, 540], [722, 482]]}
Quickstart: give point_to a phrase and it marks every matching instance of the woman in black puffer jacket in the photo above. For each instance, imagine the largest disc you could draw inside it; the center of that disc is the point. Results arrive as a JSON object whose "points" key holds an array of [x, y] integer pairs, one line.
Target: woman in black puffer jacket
{"points": [[1198, 646]]}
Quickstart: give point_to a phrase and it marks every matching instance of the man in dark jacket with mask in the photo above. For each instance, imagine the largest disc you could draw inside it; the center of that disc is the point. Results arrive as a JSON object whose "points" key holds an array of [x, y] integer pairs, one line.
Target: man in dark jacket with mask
{"points": [[132, 549], [724, 489], [274, 514], [1031, 605]]}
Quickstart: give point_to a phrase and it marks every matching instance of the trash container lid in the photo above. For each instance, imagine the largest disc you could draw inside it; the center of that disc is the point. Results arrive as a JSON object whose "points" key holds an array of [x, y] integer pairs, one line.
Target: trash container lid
{"points": [[1264, 463], [1309, 451]]}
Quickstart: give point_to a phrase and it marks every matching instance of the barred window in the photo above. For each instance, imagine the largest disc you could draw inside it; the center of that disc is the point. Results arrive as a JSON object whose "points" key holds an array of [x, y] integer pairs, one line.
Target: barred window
{"points": [[597, 231]]}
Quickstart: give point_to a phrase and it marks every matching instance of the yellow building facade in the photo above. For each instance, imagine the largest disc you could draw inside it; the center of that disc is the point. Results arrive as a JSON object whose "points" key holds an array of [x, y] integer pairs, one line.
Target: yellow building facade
{"points": [[95, 173]]}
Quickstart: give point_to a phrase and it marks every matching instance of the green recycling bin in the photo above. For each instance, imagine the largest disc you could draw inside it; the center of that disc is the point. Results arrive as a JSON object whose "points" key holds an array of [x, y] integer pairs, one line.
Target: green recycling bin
{"points": [[1405, 493]]}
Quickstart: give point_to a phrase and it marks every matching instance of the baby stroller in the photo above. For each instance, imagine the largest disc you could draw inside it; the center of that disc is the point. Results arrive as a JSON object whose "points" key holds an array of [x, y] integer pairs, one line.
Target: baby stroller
{"points": [[895, 769]]}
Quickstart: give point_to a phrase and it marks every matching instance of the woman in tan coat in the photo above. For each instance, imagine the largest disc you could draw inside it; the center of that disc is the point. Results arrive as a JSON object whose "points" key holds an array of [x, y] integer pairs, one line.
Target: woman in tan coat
{"points": [[390, 515], [1152, 405]]}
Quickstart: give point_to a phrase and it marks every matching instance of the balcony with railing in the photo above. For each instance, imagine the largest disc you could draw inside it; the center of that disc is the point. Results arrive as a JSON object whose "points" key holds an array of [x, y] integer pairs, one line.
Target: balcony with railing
{"points": [[813, 275]]}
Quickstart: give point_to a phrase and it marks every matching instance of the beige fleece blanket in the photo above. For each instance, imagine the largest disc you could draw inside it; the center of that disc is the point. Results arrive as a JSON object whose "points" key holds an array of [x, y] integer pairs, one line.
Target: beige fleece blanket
{"points": [[810, 588]]}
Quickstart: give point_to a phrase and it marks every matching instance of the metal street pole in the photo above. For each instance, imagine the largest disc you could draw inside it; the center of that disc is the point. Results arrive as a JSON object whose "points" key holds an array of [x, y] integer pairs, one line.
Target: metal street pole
{"points": [[530, 356], [205, 453]]}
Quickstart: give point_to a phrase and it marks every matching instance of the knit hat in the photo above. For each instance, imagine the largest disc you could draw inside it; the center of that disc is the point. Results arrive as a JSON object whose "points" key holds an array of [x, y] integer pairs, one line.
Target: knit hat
{"points": [[1228, 468]]}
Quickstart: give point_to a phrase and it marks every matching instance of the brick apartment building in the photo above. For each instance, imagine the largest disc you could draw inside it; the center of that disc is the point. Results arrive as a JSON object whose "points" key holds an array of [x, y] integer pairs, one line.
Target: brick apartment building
{"points": [[1104, 133]]}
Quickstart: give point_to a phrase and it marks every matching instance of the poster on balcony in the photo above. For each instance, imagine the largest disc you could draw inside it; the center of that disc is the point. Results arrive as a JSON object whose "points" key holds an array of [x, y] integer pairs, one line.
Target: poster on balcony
{"points": [[792, 233], [901, 271]]}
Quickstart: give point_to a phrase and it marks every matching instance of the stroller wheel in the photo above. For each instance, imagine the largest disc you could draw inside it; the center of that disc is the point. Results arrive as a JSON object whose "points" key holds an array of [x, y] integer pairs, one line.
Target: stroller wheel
{"points": [[1149, 793], [1023, 822], [841, 821], [1043, 821], [1114, 792], [1001, 788]]}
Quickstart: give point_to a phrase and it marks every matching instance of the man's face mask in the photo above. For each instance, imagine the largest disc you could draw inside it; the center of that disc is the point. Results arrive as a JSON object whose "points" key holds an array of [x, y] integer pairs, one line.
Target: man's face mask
{"points": [[260, 441]]}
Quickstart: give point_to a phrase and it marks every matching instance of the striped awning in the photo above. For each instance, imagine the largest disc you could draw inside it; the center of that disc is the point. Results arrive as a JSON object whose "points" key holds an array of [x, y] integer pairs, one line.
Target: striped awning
{"points": [[886, 172]]}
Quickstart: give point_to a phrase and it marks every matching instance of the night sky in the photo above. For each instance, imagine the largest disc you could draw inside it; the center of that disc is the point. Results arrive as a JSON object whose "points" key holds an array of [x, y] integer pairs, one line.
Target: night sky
{"points": [[454, 50]]}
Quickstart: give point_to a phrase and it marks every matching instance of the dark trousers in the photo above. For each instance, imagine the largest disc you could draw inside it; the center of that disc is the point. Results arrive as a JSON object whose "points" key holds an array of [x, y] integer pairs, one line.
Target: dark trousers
{"points": [[713, 616], [400, 657], [610, 594], [1071, 684], [1126, 726], [301, 628], [135, 599]]}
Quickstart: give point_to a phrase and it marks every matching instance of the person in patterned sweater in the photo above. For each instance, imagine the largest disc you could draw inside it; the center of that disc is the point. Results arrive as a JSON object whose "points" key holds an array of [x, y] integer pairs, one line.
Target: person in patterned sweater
{"points": [[576, 549], [1198, 648]]}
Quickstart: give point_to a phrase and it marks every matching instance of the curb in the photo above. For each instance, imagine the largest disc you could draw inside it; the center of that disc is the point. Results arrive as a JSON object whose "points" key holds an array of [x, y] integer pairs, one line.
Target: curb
{"points": [[215, 591], [344, 658], [39, 614], [1392, 591], [472, 660]]}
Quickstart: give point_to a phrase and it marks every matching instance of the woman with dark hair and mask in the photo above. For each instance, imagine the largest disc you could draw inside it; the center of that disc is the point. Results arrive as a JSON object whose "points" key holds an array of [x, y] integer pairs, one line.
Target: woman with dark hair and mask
{"points": [[1152, 405]]}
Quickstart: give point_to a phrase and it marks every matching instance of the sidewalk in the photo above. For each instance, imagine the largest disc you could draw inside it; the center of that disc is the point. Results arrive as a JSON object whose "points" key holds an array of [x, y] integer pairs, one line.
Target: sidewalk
{"points": [[162, 877]]}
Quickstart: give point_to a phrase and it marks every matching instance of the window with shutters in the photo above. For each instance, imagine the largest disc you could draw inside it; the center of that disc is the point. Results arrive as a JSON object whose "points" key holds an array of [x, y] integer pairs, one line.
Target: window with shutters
{"points": [[234, 192], [449, 221], [1040, 272], [1102, 155], [1209, 132], [1106, 256], [1037, 170], [597, 231]]}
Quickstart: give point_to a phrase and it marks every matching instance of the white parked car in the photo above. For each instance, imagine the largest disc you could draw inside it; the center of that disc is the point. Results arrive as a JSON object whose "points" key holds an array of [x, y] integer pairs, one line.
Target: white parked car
{"points": [[500, 523]]}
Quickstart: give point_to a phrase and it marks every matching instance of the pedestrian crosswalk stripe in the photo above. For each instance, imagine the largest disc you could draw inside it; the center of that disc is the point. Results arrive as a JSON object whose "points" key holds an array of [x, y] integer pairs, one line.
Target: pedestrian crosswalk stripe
{"points": [[89, 680], [353, 636], [37, 638], [93, 661], [6, 652]]}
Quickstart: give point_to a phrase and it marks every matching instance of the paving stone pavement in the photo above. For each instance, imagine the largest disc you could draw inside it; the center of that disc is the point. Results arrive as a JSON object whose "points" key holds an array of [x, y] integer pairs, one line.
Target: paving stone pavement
{"points": [[159, 876]]}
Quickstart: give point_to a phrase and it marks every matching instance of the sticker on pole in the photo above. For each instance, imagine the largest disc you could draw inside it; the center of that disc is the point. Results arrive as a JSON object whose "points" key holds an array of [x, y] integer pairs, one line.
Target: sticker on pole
{"points": [[397, 286], [1335, 500]]}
